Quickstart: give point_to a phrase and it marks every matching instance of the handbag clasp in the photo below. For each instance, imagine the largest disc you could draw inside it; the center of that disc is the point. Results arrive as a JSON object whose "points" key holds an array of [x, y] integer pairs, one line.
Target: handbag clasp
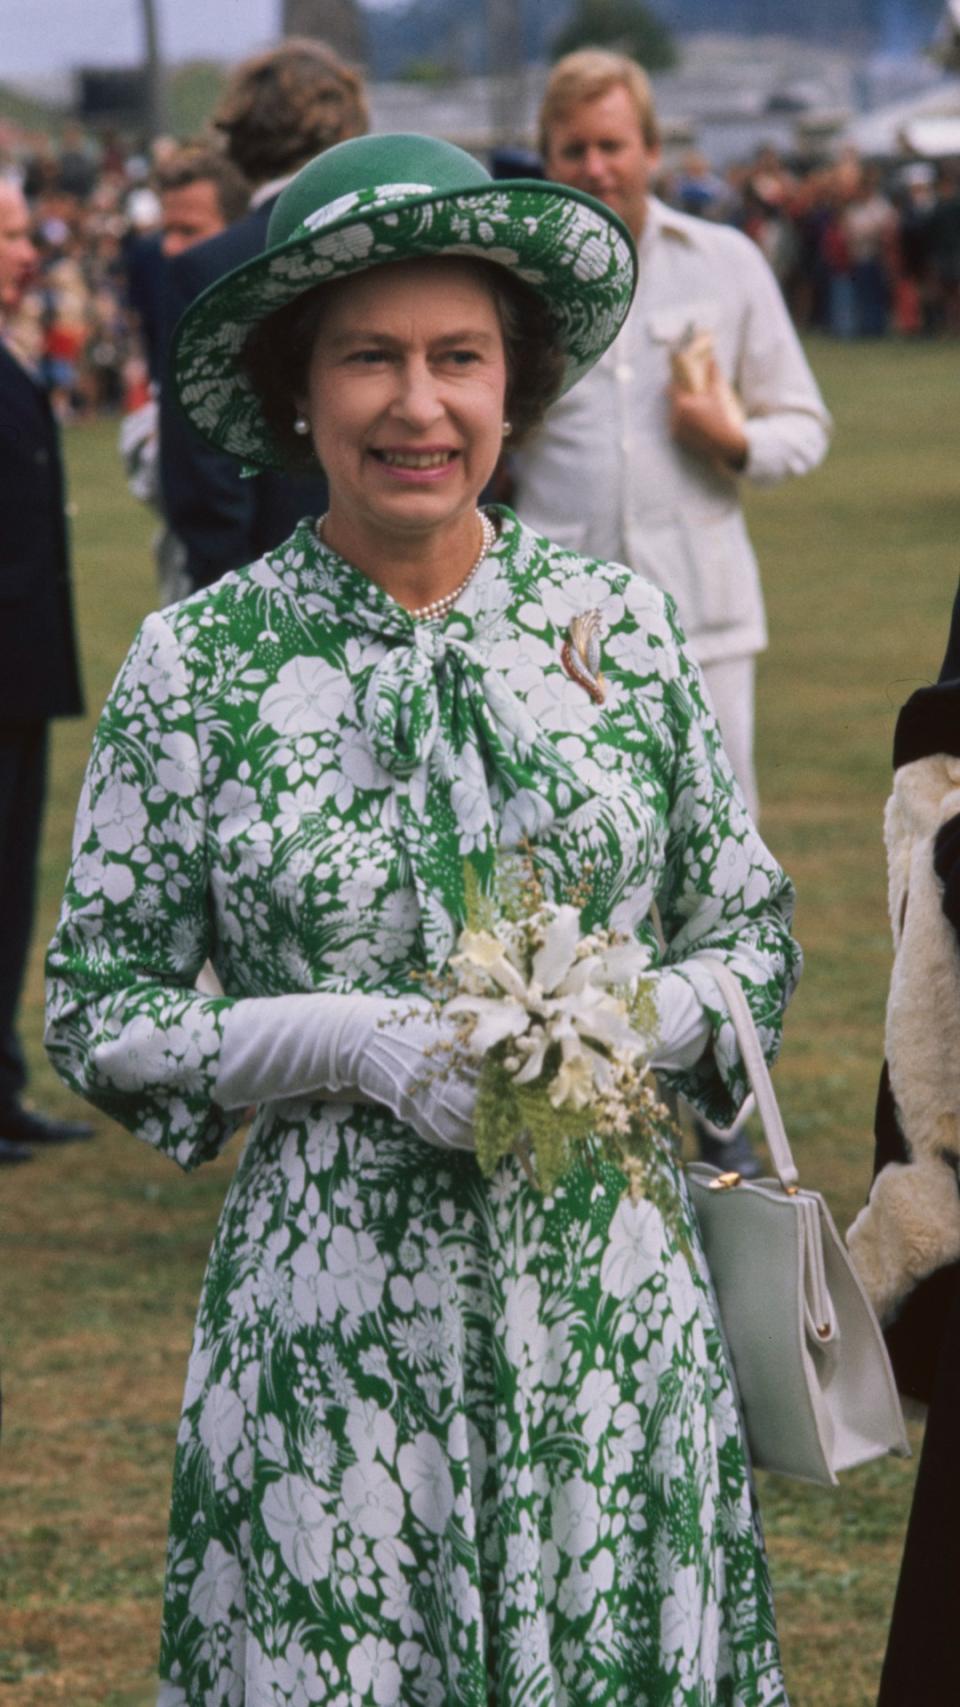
{"points": [[725, 1182]]}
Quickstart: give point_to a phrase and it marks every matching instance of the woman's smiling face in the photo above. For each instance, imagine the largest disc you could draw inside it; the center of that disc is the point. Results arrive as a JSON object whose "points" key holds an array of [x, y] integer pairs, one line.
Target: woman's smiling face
{"points": [[405, 396]]}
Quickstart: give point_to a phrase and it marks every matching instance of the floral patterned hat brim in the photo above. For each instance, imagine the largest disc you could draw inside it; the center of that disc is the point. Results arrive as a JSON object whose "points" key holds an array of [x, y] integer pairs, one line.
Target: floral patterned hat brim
{"points": [[571, 250]]}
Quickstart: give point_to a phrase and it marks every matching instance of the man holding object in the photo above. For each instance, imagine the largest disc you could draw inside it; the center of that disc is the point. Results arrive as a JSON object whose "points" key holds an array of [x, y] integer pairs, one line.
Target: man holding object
{"points": [[705, 385]]}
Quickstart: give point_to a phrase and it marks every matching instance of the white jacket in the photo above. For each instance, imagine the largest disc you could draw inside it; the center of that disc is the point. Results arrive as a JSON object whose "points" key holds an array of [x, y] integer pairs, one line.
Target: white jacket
{"points": [[603, 474]]}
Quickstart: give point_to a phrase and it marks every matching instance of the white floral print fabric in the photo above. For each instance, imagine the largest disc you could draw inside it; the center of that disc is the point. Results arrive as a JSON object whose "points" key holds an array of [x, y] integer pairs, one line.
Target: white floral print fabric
{"points": [[443, 1441]]}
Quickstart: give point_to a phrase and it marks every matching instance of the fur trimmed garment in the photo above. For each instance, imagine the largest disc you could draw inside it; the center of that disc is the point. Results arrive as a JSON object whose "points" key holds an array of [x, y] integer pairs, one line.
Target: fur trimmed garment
{"points": [[912, 1209], [910, 1226]]}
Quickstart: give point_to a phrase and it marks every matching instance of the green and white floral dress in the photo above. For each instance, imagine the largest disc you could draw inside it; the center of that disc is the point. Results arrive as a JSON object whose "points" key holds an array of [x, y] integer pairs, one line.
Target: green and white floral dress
{"points": [[443, 1441]]}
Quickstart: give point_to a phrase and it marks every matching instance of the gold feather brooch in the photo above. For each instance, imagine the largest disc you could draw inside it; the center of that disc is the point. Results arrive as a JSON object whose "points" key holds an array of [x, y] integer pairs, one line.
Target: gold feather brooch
{"points": [[580, 654]]}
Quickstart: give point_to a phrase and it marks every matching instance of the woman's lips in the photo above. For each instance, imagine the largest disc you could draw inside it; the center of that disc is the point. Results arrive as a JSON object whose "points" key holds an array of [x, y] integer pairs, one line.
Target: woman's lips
{"points": [[415, 466]]}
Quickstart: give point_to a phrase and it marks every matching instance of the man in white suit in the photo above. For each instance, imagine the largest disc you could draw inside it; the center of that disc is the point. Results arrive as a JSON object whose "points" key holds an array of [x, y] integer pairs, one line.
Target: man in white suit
{"points": [[631, 465]]}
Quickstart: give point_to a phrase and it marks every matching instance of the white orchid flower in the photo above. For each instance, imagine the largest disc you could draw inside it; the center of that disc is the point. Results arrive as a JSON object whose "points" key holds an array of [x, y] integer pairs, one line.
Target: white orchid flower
{"points": [[554, 959], [534, 1047], [537, 983], [479, 948], [569, 1015], [581, 975], [622, 964], [574, 1083], [482, 952], [593, 1012], [496, 1019]]}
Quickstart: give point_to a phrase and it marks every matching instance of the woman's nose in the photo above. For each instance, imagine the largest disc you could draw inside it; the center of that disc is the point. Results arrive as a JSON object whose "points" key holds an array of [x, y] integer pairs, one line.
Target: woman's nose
{"points": [[417, 399]]}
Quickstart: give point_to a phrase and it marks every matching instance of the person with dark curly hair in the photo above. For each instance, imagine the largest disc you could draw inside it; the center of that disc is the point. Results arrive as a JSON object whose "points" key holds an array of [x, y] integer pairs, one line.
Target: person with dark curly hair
{"points": [[280, 109]]}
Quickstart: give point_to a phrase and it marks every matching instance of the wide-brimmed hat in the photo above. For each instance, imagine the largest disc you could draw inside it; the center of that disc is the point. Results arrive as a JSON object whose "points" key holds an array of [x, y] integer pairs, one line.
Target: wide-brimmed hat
{"points": [[377, 199]]}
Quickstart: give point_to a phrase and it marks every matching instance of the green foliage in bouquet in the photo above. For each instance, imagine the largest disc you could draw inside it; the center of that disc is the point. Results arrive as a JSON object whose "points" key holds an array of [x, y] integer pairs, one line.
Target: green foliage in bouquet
{"points": [[508, 1115], [481, 910]]}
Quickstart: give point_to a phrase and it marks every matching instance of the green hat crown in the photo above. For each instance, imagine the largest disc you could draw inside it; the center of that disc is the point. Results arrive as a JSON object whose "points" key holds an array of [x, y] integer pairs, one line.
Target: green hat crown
{"points": [[367, 170]]}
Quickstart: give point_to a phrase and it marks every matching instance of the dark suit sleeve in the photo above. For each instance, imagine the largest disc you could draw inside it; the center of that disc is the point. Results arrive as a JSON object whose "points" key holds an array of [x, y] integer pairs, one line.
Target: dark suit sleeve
{"points": [[205, 501], [39, 669], [209, 507]]}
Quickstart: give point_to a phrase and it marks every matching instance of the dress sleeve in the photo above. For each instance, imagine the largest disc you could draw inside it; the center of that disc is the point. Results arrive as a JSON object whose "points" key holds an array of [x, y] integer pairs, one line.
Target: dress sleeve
{"points": [[722, 894], [125, 1026]]}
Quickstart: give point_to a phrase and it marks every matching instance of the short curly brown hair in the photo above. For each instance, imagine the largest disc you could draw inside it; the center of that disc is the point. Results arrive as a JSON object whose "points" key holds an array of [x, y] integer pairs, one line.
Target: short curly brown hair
{"points": [[277, 353], [282, 107]]}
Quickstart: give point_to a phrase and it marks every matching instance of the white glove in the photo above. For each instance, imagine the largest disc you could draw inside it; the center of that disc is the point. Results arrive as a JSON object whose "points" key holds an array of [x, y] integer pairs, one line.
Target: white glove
{"points": [[350, 1048], [684, 1027]]}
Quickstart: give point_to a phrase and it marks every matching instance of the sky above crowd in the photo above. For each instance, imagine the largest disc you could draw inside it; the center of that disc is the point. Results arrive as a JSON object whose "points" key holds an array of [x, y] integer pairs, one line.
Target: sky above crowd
{"points": [[48, 37]]}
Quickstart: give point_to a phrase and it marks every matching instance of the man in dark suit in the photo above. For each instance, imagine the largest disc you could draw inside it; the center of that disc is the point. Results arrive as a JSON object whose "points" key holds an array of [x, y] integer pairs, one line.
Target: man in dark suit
{"points": [[280, 109], [39, 673], [201, 193]]}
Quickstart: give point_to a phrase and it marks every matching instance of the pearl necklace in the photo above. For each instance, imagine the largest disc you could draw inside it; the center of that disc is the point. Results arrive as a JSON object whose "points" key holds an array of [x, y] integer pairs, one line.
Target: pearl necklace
{"points": [[438, 608]]}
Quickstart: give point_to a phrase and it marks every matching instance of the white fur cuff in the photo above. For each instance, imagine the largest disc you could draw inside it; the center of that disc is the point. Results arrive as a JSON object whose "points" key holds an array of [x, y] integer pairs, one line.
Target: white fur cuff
{"points": [[909, 1227]]}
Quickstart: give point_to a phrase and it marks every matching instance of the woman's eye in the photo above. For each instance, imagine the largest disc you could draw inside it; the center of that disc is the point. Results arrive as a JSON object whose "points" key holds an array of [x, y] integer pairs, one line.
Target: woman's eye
{"points": [[463, 358], [367, 358]]}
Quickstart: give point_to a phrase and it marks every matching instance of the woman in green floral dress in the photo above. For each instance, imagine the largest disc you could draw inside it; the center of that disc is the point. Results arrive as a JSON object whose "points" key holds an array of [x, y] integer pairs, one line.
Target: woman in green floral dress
{"points": [[444, 1440]]}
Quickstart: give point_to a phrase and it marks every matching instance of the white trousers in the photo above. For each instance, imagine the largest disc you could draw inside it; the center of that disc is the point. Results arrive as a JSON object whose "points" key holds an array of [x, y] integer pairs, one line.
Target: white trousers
{"points": [[730, 684]]}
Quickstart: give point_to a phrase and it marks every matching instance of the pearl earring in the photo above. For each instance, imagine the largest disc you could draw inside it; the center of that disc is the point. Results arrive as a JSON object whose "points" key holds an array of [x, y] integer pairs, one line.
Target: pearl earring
{"points": [[301, 425], [507, 429]]}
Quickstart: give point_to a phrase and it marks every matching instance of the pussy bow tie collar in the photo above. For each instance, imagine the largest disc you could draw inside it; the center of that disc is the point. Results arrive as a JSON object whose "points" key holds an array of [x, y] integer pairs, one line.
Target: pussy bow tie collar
{"points": [[473, 772]]}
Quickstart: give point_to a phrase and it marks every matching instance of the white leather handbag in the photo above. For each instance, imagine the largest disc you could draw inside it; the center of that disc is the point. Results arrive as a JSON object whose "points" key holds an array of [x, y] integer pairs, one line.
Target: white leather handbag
{"points": [[815, 1383]]}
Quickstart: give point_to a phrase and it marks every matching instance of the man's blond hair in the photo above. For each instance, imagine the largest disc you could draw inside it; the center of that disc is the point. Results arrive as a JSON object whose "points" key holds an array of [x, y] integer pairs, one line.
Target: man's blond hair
{"points": [[585, 76]]}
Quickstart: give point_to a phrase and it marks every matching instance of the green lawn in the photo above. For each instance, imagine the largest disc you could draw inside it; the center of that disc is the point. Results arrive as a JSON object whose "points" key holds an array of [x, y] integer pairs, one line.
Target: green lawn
{"points": [[103, 1245]]}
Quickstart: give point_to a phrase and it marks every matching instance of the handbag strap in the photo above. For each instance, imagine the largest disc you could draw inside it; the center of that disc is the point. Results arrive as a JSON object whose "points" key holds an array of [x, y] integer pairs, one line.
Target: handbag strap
{"points": [[757, 1071]]}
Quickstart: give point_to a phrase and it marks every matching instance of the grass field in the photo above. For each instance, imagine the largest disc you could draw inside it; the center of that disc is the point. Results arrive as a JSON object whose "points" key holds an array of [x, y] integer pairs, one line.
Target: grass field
{"points": [[102, 1246]]}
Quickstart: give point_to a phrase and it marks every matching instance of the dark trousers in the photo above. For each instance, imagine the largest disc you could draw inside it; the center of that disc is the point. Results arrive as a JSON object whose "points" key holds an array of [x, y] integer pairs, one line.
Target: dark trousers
{"points": [[871, 299], [23, 775], [922, 1666]]}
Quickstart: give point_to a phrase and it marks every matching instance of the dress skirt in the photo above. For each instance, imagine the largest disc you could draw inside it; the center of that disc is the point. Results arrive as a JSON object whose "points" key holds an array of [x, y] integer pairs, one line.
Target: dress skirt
{"points": [[447, 1441]]}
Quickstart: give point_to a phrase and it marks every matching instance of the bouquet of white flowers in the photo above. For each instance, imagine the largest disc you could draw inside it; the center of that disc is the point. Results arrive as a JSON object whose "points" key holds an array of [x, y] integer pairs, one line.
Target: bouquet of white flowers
{"points": [[560, 1027]]}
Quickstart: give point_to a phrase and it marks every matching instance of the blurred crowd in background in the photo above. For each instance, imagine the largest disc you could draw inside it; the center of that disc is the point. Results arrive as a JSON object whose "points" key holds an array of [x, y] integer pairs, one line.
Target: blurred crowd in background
{"points": [[860, 249]]}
